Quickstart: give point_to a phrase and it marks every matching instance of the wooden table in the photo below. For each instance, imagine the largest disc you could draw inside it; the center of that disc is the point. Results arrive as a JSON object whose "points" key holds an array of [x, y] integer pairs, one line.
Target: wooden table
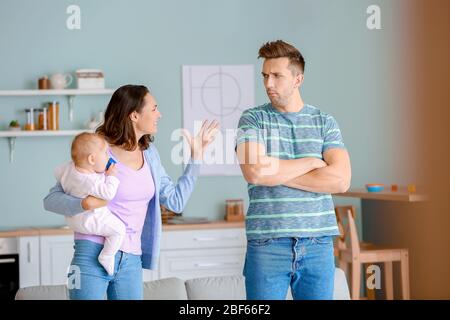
{"points": [[397, 219], [401, 195]]}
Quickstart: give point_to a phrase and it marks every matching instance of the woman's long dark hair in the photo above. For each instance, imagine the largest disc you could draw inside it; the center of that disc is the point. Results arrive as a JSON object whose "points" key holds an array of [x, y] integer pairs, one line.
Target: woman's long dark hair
{"points": [[118, 128]]}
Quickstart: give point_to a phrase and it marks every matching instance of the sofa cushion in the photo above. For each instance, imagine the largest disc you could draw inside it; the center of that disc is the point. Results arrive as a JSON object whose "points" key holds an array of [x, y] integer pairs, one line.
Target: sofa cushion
{"points": [[165, 289], [233, 288], [43, 293], [341, 291], [216, 288]]}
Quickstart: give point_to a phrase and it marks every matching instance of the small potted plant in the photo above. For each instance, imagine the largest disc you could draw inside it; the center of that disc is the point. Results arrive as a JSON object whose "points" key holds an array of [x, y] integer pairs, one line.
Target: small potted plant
{"points": [[14, 125]]}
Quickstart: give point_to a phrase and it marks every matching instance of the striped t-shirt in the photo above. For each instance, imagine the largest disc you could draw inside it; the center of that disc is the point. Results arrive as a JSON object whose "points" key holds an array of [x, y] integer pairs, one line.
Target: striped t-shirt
{"points": [[281, 211]]}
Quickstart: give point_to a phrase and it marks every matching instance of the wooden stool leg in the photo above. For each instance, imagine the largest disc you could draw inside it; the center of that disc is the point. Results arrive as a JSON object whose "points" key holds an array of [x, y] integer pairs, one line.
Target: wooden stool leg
{"points": [[404, 266], [388, 281], [356, 279]]}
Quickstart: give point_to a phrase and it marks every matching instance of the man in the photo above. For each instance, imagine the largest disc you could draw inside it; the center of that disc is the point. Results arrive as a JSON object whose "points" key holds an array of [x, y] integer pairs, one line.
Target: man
{"points": [[293, 158]]}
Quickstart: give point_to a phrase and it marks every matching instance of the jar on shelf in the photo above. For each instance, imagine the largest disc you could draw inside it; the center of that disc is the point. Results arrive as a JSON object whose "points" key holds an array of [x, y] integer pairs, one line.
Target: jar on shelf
{"points": [[53, 115], [42, 119], [29, 124], [234, 209], [44, 83]]}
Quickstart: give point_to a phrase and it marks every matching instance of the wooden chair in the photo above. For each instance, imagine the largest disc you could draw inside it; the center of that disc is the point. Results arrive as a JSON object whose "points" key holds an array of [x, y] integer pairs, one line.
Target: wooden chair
{"points": [[350, 251]]}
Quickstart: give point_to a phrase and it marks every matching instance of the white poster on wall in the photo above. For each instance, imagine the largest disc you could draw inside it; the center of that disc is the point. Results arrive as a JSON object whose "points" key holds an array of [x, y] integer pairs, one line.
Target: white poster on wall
{"points": [[221, 93]]}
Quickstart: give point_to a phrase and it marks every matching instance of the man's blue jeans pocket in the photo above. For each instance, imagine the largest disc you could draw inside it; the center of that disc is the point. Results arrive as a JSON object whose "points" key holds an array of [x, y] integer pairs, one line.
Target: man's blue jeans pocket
{"points": [[258, 243]]}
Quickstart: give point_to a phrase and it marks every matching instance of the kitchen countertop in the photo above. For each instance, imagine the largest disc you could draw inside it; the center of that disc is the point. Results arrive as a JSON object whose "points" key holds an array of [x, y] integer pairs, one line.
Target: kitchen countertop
{"points": [[42, 231]]}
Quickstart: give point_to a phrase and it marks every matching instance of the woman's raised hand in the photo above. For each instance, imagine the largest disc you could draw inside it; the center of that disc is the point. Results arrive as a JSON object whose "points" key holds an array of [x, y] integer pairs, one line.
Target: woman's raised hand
{"points": [[206, 135]]}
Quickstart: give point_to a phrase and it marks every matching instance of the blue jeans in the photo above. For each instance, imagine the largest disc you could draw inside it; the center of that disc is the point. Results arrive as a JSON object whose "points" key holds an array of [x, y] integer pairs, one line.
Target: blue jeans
{"points": [[304, 264], [88, 280]]}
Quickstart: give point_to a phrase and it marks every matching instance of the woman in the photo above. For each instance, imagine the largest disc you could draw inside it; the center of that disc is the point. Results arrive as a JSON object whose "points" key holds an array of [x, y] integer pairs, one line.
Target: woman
{"points": [[130, 122]]}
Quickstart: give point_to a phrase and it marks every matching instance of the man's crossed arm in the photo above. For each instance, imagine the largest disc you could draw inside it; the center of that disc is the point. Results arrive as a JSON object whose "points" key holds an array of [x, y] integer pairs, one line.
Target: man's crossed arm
{"points": [[332, 175]]}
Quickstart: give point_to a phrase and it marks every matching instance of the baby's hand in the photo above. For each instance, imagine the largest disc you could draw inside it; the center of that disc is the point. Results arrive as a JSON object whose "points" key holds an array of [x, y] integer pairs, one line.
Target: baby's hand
{"points": [[112, 171]]}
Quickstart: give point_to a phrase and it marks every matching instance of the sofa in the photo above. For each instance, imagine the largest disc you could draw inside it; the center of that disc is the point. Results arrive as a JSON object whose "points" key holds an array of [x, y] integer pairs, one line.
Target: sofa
{"points": [[207, 288]]}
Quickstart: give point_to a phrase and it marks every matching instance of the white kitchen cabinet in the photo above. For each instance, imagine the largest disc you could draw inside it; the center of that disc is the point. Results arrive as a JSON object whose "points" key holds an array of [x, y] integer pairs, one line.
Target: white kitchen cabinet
{"points": [[190, 254], [203, 239], [188, 264], [185, 254], [29, 264], [56, 255]]}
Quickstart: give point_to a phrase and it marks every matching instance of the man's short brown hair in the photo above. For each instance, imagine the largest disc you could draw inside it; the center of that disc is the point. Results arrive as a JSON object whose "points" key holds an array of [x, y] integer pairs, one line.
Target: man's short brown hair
{"points": [[281, 49]]}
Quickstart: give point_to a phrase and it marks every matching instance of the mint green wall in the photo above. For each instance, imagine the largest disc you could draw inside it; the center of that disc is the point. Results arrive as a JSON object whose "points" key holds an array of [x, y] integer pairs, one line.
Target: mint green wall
{"points": [[348, 74]]}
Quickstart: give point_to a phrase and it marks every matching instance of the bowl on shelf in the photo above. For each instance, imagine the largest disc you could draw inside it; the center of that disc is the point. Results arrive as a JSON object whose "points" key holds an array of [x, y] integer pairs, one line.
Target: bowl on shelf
{"points": [[374, 187]]}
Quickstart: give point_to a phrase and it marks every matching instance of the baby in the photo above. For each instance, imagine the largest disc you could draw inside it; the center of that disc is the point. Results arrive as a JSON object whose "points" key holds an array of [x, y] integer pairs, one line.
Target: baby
{"points": [[85, 176]]}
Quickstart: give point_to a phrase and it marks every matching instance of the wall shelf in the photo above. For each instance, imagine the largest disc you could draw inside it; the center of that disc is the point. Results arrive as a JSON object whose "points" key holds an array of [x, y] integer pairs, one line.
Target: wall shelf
{"points": [[12, 135], [40, 133], [69, 93], [54, 92]]}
